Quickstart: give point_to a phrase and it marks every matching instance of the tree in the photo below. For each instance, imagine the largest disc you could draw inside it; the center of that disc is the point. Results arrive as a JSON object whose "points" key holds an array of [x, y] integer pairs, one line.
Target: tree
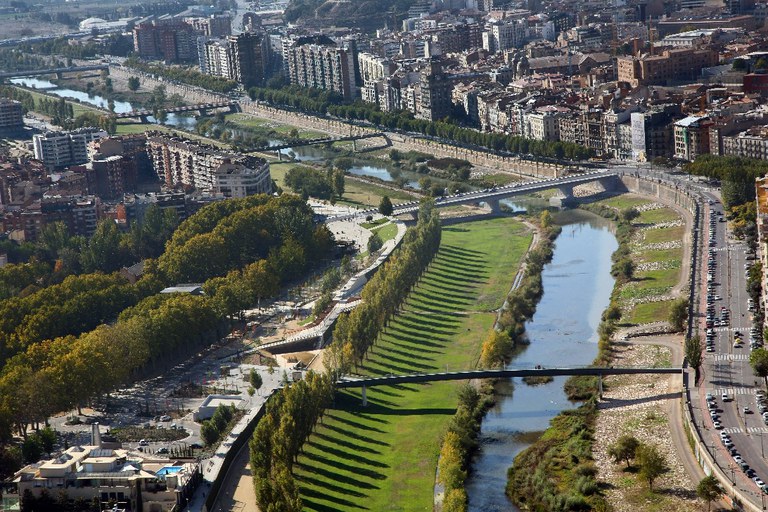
{"points": [[624, 449], [385, 206], [208, 433], [652, 463], [758, 359], [678, 314], [374, 243], [255, 379], [693, 355], [709, 490], [134, 83]]}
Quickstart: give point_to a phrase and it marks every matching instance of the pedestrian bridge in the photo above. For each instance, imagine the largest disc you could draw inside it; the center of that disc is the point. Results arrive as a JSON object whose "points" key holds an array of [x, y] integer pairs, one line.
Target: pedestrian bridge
{"points": [[53, 71], [414, 378], [491, 196], [353, 382]]}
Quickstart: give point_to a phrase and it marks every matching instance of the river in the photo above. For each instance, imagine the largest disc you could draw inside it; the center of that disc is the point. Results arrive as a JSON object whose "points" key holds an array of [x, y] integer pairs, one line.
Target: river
{"points": [[186, 122], [577, 288]]}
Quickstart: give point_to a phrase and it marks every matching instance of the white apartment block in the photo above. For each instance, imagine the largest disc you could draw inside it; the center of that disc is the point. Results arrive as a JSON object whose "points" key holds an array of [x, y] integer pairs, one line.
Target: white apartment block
{"points": [[178, 161], [60, 149]]}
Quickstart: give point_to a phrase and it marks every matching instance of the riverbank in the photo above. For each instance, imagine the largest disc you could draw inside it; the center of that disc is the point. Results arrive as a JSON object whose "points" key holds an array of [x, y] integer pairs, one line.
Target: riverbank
{"points": [[638, 405], [391, 446]]}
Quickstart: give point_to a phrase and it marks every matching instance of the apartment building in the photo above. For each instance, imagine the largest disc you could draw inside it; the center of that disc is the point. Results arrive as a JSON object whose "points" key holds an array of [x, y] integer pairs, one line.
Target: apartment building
{"points": [[435, 87], [11, 116], [215, 25], [182, 162], [319, 63], [691, 136], [79, 214], [672, 65], [752, 143], [167, 38], [60, 149]]}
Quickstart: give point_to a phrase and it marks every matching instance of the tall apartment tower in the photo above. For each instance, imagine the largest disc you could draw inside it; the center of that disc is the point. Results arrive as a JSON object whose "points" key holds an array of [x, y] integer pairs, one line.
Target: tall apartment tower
{"points": [[435, 92], [249, 58], [317, 62]]}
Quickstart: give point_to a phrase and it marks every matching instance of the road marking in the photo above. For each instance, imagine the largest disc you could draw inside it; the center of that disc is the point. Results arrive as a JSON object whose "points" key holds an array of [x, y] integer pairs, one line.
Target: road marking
{"points": [[733, 430], [757, 430], [733, 391], [731, 357]]}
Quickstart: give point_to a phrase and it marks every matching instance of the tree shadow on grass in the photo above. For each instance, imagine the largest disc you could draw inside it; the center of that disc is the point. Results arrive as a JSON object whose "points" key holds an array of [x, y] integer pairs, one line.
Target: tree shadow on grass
{"points": [[383, 349], [443, 299], [340, 466], [398, 411], [417, 345], [333, 476], [329, 497], [355, 424], [407, 363], [457, 248], [345, 455], [327, 485], [451, 281], [345, 443], [477, 265], [391, 368], [462, 295], [355, 435]]}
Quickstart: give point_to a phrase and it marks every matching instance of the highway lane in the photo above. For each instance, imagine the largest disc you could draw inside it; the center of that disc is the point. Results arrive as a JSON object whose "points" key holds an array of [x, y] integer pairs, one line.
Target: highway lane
{"points": [[727, 369]]}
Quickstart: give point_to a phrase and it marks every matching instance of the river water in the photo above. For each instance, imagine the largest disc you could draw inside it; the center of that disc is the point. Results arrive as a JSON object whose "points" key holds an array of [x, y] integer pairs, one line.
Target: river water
{"points": [[577, 288], [179, 121]]}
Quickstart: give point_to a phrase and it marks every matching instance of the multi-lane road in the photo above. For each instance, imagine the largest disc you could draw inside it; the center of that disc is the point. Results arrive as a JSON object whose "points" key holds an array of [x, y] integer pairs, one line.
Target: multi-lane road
{"points": [[728, 385]]}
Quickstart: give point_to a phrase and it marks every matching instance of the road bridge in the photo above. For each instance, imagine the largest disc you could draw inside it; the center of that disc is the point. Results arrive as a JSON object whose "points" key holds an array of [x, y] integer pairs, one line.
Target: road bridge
{"points": [[491, 196], [599, 372], [53, 71], [202, 108]]}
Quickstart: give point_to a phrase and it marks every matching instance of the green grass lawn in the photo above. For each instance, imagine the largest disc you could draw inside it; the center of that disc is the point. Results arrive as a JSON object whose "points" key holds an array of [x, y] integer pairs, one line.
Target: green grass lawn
{"points": [[664, 278], [624, 201], [670, 255], [657, 216], [650, 312], [368, 194], [660, 235], [374, 223], [386, 232], [250, 121], [383, 457]]}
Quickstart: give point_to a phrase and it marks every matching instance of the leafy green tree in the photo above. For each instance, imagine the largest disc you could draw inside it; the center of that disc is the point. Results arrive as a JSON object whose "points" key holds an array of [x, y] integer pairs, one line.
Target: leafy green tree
{"points": [[678, 314], [374, 243], [208, 433], [709, 490], [758, 359], [624, 449], [254, 378], [693, 355], [134, 83], [47, 438], [31, 449], [652, 463], [385, 206]]}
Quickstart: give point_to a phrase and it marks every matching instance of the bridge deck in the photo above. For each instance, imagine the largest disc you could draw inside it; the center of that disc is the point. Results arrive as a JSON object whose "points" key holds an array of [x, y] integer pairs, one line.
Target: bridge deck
{"points": [[493, 374]]}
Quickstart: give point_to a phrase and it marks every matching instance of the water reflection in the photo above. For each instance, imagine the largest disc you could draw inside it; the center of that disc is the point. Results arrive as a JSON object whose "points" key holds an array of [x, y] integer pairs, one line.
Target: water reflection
{"points": [[121, 107], [563, 332]]}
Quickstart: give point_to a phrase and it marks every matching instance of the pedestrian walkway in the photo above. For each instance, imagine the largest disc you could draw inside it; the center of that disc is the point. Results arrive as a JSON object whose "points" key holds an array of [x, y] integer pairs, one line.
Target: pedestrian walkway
{"points": [[212, 466]]}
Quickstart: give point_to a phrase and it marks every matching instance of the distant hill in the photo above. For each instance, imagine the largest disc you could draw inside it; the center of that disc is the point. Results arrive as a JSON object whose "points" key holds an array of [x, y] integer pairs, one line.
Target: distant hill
{"points": [[365, 14]]}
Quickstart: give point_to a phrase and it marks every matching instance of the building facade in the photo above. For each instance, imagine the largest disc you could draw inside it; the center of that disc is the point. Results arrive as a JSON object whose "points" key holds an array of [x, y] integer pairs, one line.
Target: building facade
{"points": [[322, 65], [60, 149], [182, 162]]}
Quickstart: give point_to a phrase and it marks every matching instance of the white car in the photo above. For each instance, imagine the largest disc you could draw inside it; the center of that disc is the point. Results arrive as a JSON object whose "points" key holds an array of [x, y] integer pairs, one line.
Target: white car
{"points": [[717, 425]]}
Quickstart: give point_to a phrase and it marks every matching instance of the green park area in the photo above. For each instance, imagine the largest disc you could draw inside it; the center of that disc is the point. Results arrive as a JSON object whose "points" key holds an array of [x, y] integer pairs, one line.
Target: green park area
{"points": [[260, 124], [383, 456], [656, 249]]}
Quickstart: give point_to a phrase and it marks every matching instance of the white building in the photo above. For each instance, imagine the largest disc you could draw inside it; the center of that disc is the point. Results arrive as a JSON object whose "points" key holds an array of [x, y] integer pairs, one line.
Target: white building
{"points": [[60, 149], [238, 181]]}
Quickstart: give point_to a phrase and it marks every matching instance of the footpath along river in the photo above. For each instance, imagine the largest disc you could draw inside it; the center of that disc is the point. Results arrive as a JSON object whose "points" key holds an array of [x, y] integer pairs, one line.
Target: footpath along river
{"points": [[563, 332]]}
